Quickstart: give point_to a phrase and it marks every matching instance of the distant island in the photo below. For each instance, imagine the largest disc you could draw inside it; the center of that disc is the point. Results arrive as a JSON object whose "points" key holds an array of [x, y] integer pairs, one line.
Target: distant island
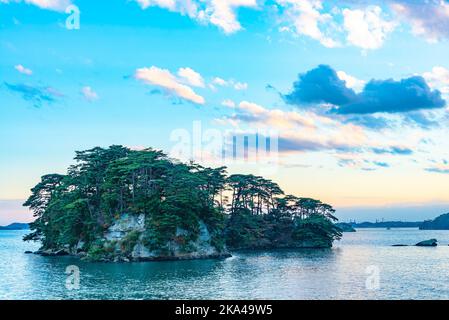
{"points": [[16, 226], [387, 224], [439, 223], [118, 204], [345, 227]]}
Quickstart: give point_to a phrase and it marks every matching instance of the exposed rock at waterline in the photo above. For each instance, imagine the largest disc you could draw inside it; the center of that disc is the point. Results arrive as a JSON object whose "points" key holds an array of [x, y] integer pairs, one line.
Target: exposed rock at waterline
{"points": [[126, 240], [345, 227], [427, 243]]}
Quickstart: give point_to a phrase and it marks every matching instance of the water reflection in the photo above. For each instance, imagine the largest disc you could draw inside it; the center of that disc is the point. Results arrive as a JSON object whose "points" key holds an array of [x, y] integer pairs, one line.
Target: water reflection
{"points": [[338, 273]]}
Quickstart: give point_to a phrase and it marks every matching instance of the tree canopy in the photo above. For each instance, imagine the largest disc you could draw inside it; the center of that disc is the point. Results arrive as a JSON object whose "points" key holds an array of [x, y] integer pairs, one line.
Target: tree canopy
{"points": [[104, 183]]}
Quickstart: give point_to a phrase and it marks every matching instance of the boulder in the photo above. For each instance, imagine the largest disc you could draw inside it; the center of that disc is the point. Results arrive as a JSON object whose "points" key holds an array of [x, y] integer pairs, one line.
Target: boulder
{"points": [[345, 227], [400, 245], [427, 243], [124, 225]]}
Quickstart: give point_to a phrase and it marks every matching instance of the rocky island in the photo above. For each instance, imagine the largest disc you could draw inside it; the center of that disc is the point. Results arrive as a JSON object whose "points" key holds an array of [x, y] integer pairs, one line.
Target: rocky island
{"points": [[345, 227], [118, 204], [439, 223]]}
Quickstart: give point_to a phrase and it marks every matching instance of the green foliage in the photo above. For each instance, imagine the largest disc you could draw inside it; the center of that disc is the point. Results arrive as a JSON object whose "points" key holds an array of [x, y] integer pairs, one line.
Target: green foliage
{"points": [[175, 197], [318, 229], [128, 243], [100, 250]]}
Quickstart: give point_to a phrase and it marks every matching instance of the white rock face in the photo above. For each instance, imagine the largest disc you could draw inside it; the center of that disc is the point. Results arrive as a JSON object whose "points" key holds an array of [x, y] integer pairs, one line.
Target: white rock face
{"points": [[124, 225], [200, 248], [140, 251]]}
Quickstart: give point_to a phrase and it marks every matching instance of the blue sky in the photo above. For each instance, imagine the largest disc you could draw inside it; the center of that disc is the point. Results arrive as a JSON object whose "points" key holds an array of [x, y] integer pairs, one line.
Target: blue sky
{"points": [[355, 91]]}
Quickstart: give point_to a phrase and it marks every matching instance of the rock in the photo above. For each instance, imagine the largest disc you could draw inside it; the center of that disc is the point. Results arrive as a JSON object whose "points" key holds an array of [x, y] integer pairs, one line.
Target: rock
{"points": [[61, 252], [79, 246], [201, 248], [125, 241], [400, 245], [28, 252], [124, 225], [141, 252], [45, 252], [345, 227], [50, 252], [427, 243]]}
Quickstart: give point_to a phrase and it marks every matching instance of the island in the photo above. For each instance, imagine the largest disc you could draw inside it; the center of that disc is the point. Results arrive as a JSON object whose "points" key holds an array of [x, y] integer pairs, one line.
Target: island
{"points": [[388, 224], [439, 223], [121, 205], [15, 226], [345, 227]]}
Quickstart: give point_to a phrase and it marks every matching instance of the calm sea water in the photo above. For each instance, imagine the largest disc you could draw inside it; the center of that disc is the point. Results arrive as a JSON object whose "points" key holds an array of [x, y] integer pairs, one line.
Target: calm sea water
{"points": [[348, 271]]}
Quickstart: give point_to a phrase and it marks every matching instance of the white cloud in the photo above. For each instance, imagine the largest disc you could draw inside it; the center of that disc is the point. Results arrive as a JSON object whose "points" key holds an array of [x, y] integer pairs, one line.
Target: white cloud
{"points": [[438, 78], [191, 77], [228, 103], [221, 13], [168, 4], [351, 82], [253, 113], [165, 80], [23, 70], [429, 20], [185, 7], [308, 20], [55, 5], [229, 83], [366, 28], [240, 86], [220, 82], [304, 131], [89, 94]]}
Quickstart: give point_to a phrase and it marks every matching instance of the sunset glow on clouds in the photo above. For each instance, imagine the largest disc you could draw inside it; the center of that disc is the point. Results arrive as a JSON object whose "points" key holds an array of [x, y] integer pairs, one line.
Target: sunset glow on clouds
{"points": [[356, 92]]}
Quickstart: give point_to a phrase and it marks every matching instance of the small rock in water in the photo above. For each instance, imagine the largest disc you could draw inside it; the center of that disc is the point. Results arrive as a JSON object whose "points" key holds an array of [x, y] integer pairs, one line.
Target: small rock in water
{"points": [[28, 252], [427, 243], [400, 245]]}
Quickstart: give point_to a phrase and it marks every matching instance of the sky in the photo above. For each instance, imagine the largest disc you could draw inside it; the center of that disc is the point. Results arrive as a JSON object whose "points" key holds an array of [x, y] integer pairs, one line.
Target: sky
{"points": [[352, 94]]}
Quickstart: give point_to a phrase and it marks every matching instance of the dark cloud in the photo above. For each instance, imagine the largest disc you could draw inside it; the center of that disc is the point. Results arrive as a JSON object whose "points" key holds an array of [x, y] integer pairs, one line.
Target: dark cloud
{"points": [[439, 167], [429, 19], [438, 170], [286, 144], [393, 97], [421, 120], [369, 165], [369, 121], [381, 164], [322, 85], [36, 95], [347, 163], [393, 150]]}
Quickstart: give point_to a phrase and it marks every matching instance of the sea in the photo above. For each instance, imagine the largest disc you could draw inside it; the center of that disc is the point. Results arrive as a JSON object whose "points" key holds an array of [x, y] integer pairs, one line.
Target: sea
{"points": [[362, 265]]}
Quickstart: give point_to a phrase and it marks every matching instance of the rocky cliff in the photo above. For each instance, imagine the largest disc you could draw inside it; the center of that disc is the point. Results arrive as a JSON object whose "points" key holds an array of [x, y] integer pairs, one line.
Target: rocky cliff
{"points": [[125, 241], [439, 223]]}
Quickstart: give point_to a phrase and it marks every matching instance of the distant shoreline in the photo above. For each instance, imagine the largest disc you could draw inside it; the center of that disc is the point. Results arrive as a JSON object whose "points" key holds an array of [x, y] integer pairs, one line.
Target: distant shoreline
{"points": [[16, 226], [387, 224]]}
